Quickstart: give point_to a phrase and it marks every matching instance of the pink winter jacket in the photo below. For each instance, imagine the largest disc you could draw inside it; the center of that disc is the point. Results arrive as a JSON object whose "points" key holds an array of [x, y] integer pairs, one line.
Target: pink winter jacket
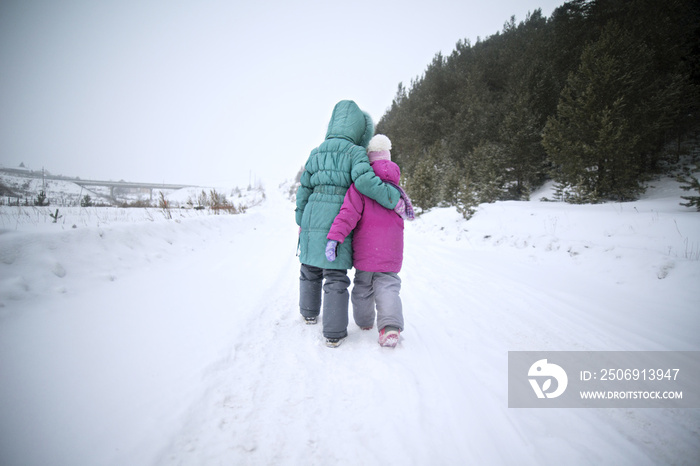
{"points": [[377, 241]]}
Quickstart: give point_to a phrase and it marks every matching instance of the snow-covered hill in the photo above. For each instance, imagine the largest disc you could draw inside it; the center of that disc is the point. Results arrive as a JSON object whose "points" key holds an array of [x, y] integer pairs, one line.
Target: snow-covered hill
{"points": [[156, 341]]}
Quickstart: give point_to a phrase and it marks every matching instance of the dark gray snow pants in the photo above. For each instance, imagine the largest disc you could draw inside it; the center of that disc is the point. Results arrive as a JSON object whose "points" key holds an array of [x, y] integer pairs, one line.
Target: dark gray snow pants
{"points": [[335, 298]]}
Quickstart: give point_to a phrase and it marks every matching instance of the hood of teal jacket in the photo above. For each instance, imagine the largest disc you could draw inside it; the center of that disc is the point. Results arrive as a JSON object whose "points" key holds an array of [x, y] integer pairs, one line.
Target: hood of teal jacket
{"points": [[350, 122]]}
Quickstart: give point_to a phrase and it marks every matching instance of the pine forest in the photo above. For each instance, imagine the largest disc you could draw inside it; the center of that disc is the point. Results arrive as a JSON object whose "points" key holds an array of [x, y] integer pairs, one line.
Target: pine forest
{"points": [[598, 98]]}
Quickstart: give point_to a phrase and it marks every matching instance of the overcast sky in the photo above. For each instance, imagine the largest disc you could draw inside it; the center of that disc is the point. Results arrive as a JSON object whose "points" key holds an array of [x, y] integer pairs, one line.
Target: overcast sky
{"points": [[212, 93]]}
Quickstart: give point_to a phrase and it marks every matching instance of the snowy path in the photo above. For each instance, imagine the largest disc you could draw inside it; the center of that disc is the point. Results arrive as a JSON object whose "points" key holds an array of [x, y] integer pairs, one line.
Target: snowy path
{"points": [[201, 359]]}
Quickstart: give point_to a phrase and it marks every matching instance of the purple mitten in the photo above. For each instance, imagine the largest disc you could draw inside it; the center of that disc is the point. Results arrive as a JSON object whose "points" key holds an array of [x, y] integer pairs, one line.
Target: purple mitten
{"points": [[331, 247]]}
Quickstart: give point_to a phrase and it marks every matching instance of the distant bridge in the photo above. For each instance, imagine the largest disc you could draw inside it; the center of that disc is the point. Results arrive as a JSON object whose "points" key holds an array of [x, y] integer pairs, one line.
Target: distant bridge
{"points": [[112, 185]]}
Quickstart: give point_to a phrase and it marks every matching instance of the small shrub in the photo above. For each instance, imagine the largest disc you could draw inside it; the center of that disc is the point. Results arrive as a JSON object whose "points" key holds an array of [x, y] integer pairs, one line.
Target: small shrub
{"points": [[55, 216], [164, 205]]}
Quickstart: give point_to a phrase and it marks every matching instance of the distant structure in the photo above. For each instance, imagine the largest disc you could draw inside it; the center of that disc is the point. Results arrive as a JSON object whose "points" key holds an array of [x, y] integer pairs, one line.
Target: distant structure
{"points": [[116, 189], [122, 187]]}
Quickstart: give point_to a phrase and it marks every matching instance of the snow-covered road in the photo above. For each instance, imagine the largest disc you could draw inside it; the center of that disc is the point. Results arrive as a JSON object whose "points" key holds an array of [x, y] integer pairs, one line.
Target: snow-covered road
{"points": [[180, 343]]}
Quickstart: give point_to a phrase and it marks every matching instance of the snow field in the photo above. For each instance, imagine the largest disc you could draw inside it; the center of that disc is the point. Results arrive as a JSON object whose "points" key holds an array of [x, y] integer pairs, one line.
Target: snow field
{"points": [[180, 343]]}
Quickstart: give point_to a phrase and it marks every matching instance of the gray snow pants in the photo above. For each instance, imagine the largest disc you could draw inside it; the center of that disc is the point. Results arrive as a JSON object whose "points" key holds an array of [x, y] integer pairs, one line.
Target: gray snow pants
{"points": [[335, 298], [383, 289]]}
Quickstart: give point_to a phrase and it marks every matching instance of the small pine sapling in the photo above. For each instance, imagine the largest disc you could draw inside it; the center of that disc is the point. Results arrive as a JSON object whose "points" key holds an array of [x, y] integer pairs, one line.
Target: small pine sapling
{"points": [[41, 199]]}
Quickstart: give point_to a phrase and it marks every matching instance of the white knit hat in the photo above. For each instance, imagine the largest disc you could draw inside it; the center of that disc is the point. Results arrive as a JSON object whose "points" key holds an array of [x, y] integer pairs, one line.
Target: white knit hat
{"points": [[379, 148]]}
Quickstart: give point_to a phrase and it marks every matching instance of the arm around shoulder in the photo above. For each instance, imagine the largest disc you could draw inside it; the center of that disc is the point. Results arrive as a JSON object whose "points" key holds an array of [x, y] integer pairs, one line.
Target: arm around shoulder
{"points": [[371, 185]]}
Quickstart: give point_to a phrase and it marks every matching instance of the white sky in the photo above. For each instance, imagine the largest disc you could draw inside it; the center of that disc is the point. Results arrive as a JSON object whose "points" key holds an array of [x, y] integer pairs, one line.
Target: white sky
{"points": [[210, 92]]}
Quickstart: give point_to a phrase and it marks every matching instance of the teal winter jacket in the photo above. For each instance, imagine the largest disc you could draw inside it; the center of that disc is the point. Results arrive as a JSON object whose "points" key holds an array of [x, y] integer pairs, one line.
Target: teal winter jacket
{"points": [[330, 170]]}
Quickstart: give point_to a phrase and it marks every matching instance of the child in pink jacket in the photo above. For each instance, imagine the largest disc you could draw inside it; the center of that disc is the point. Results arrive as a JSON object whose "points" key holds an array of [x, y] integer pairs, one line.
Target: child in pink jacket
{"points": [[377, 242]]}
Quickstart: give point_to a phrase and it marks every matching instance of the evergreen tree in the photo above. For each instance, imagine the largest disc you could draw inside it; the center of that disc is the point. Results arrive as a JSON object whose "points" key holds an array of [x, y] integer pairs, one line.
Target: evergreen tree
{"points": [[466, 198], [41, 199], [691, 183], [489, 172], [423, 184], [525, 157], [595, 140]]}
